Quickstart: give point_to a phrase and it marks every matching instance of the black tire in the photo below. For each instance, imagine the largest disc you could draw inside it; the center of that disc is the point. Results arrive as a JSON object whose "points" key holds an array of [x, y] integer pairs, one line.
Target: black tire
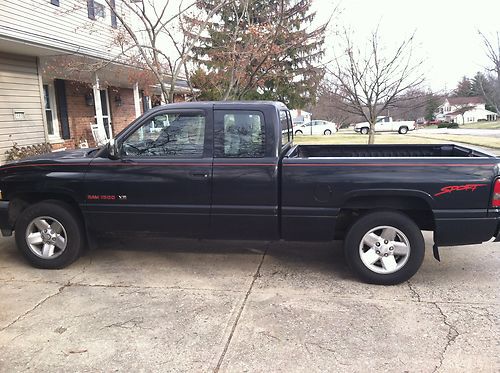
{"points": [[364, 131], [403, 130], [298, 132], [384, 218], [327, 132], [73, 230]]}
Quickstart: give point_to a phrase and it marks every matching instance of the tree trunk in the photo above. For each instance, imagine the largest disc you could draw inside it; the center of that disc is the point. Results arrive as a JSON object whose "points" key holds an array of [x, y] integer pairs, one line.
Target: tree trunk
{"points": [[371, 134]]}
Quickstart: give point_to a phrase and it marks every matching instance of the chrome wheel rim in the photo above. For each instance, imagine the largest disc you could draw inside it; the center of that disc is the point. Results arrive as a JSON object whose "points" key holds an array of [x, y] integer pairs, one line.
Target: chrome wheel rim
{"points": [[46, 237], [384, 249]]}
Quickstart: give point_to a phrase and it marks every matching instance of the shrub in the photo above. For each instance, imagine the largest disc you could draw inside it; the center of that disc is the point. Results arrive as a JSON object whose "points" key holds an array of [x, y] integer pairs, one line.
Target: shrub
{"points": [[16, 152], [447, 125]]}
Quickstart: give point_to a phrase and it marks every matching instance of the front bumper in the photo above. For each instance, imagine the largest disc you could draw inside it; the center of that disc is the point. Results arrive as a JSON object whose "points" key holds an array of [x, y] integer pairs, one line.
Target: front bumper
{"points": [[5, 226]]}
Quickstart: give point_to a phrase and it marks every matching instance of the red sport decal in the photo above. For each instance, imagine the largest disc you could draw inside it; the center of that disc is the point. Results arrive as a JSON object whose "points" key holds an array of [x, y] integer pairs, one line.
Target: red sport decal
{"points": [[456, 188]]}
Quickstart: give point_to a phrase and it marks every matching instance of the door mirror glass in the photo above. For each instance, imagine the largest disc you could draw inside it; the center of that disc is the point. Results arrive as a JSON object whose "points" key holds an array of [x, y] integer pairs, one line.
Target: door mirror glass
{"points": [[113, 149]]}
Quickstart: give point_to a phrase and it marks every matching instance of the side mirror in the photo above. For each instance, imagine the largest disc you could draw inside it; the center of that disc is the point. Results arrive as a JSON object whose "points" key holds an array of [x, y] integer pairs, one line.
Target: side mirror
{"points": [[113, 149]]}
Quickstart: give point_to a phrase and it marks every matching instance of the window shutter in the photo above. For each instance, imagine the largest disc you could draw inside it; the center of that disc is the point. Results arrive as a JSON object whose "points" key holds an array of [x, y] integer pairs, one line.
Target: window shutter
{"points": [[114, 22], [54, 2], [91, 9], [62, 107]]}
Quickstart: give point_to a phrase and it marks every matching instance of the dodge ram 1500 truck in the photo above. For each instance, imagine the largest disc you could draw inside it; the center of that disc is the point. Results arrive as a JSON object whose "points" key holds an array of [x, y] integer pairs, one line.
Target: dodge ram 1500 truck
{"points": [[230, 170]]}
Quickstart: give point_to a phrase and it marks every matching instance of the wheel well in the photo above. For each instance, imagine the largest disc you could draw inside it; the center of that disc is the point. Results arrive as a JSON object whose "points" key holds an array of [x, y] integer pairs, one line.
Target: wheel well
{"points": [[415, 208], [21, 201]]}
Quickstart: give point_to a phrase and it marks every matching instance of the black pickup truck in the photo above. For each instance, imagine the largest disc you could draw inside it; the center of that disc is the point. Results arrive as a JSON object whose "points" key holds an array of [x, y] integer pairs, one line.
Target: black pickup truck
{"points": [[230, 170]]}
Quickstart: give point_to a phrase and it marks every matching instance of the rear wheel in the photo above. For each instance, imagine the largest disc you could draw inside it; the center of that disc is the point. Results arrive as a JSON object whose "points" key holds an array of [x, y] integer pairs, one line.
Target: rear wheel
{"points": [[327, 132], [364, 131], [49, 234], [298, 132], [403, 130], [384, 248]]}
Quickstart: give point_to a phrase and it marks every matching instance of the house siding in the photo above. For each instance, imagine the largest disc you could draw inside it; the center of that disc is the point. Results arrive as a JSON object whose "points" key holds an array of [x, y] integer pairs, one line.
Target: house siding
{"points": [[19, 90], [66, 27]]}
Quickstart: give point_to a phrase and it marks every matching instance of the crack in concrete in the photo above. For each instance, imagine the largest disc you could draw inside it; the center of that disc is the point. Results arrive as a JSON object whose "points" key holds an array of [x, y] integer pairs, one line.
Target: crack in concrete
{"points": [[414, 292], [238, 316], [450, 337], [35, 307]]}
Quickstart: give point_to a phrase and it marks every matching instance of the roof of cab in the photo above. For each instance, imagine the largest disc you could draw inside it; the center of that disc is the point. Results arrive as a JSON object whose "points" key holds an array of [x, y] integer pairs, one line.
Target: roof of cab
{"points": [[221, 104]]}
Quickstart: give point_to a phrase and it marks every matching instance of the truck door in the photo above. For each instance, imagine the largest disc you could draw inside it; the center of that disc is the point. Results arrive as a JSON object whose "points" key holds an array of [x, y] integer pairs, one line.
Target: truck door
{"points": [[161, 181], [245, 176]]}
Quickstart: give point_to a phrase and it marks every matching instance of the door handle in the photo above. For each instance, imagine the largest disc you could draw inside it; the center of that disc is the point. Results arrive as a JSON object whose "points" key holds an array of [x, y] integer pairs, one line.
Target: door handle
{"points": [[200, 174]]}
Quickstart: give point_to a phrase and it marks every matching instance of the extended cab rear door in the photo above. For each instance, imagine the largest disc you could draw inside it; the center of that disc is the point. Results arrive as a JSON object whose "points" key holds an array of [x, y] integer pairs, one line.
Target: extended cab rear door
{"points": [[245, 173]]}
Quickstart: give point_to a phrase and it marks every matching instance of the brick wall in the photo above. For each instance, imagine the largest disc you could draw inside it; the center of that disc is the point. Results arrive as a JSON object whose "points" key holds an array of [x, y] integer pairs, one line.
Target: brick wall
{"points": [[79, 114], [121, 115]]}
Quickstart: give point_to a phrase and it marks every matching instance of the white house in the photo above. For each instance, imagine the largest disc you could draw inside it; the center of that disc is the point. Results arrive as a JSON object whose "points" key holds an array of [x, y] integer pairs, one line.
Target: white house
{"points": [[464, 110], [48, 89], [300, 116]]}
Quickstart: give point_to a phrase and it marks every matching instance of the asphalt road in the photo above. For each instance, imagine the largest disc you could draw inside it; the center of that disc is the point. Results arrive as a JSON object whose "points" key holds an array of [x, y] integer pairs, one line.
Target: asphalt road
{"points": [[159, 305]]}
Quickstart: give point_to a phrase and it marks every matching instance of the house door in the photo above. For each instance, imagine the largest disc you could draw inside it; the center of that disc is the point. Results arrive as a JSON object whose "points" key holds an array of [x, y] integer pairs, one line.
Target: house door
{"points": [[106, 112]]}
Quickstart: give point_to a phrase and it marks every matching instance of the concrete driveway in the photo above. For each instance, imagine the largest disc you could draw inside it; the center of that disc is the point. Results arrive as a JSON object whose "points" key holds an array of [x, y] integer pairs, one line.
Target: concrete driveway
{"points": [[460, 131], [199, 306]]}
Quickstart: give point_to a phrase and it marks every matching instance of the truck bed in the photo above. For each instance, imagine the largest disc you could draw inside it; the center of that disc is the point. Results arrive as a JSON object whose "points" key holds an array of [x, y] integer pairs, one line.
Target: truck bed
{"points": [[399, 150]]}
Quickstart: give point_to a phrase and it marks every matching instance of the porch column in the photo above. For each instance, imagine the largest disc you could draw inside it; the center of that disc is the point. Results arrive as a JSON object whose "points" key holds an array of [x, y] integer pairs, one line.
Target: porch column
{"points": [[137, 100], [97, 104]]}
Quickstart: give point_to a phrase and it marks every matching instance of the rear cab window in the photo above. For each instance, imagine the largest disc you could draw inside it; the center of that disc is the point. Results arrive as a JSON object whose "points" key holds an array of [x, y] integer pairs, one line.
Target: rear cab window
{"points": [[243, 134]]}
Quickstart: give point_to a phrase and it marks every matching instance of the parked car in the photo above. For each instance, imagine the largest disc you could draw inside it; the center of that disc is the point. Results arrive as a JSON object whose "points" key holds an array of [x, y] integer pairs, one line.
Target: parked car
{"points": [[226, 170], [316, 127], [434, 121], [386, 124]]}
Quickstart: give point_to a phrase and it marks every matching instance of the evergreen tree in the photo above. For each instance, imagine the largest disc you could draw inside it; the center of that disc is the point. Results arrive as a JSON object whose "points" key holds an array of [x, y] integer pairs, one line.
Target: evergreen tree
{"points": [[259, 49], [464, 88]]}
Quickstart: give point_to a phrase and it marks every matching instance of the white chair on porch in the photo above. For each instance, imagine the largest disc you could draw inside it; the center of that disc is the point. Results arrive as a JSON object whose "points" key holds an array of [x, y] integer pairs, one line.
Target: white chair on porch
{"points": [[99, 135]]}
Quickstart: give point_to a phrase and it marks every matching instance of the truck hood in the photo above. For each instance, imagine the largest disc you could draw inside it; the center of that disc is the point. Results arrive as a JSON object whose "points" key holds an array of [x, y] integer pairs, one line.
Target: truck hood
{"points": [[68, 156]]}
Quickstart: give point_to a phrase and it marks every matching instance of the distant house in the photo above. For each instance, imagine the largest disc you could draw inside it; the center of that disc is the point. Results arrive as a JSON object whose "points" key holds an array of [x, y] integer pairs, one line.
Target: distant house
{"points": [[300, 116], [464, 110]]}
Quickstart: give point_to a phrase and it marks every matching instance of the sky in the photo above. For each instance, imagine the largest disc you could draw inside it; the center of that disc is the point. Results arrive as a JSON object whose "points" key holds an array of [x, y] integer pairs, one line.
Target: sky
{"points": [[446, 31]]}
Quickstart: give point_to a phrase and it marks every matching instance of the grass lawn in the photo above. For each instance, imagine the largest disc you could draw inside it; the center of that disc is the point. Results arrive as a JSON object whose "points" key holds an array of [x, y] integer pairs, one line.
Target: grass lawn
{"points": [[355, 138], [394, 138], [488, 142], [482, 125]]}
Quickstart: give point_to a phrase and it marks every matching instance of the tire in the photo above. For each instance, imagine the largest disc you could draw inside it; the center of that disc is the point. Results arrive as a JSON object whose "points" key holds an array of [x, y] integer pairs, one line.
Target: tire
{"points": [[364, 131], [327, 132], [387, 268], [403, 130], [56, 233], [298, 132]]}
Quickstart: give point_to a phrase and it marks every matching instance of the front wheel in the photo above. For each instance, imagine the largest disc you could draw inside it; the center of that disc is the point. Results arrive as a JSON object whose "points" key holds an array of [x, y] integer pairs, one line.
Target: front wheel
{"points": [[327, 133], [298, 132], [364, 131], [384, 248], [49, 234], [403, 130]]}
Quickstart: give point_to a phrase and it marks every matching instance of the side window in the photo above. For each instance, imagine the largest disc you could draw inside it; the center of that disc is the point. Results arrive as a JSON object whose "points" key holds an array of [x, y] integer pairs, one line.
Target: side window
{"points": [[175, 135], [286, 126], [240, 134]]}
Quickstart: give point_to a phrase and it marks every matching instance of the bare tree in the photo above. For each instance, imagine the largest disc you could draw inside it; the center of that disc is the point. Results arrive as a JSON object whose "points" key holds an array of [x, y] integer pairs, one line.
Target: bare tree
{"points": [[154, 35], [490, 86], [371, 80]]}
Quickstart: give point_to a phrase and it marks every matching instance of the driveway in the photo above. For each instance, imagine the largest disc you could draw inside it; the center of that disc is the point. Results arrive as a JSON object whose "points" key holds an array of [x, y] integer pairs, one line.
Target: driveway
{"points": [[204, 306]]}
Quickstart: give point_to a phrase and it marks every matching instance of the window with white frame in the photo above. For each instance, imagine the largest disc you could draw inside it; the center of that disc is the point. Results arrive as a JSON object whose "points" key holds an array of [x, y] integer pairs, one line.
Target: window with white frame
{"points": [[50, 111]]}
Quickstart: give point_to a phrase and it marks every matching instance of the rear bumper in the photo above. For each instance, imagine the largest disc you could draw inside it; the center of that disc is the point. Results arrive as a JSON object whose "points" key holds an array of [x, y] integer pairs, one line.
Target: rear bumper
{"points": [[5, 225], [467, 230]]}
